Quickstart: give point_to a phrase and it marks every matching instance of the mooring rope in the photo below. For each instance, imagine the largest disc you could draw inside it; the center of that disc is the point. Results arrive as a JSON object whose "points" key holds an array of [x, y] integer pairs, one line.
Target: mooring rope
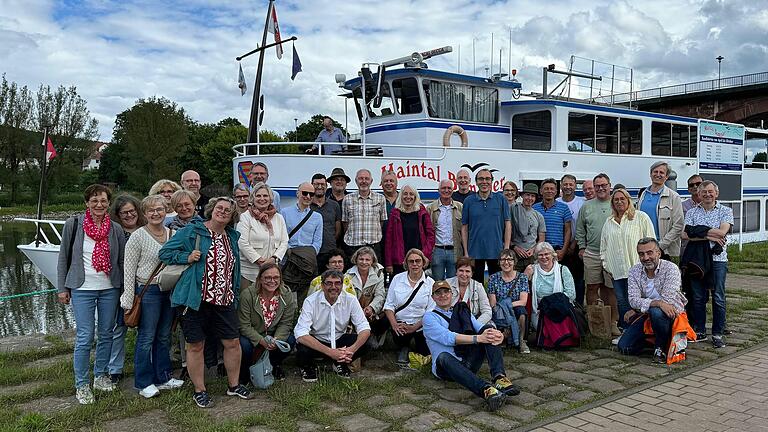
{"points": [[33, 293]]}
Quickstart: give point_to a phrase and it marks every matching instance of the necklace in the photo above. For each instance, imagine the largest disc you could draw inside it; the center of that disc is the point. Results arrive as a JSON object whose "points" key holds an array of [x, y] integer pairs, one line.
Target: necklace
{"points": [[411, 281], [160, 237]]}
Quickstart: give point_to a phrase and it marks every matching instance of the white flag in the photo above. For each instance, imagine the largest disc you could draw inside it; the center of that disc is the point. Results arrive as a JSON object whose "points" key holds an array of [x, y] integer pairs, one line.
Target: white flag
{"points": [[274, 28], [241, 82]]}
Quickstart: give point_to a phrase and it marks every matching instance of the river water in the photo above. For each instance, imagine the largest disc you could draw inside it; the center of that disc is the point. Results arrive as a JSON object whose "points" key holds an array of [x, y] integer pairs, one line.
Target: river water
{"points": [[26, 315]]}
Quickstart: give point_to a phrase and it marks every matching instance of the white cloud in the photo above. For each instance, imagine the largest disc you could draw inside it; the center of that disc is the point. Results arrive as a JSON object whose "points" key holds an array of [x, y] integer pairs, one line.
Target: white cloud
{"points": [[118, 51]]}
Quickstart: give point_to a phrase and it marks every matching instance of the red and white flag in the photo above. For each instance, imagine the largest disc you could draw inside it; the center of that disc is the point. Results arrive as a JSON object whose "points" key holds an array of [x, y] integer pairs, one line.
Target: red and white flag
{"points": [[50, 152], [274, 28]]}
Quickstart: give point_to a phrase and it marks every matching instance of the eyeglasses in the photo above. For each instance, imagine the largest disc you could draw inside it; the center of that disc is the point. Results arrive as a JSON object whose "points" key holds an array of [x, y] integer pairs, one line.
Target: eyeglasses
{"points": [[224, 210], [507, 259], [307, 193], [337, 284], [603, 186], [242, 197], [441, 292], [484, 178], [157, 210], [270, 278], [415, 261], [690, 185], [167, 191], [128, 213]]}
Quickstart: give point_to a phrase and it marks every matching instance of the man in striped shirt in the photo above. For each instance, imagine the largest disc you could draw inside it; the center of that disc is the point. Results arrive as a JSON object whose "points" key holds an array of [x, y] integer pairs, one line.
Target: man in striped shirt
{"points": [[557, 218]]}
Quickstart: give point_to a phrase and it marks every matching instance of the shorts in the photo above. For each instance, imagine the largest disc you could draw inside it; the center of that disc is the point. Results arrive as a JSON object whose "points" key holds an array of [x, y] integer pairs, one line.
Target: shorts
{"points": [[593, 271], [210, 320]]}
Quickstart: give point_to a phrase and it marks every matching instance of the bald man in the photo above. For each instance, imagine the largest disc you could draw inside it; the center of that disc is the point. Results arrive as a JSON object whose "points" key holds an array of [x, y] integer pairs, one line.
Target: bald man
{"points": [[300, 262], [190, 180], [446, 218], [463, 181]]}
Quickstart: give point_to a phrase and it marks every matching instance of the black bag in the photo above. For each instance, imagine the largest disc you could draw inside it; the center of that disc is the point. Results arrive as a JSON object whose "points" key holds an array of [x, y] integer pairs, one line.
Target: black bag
{"points": [[460, 322]]}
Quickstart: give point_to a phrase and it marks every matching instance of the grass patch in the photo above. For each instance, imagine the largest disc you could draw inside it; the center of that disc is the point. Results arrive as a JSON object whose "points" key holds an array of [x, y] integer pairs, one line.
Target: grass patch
{"points": [[751, 252]]}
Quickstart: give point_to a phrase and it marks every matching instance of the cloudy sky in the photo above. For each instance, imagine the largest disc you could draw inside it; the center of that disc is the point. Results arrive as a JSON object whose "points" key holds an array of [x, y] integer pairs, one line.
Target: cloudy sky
{"points": [[116, 52]]}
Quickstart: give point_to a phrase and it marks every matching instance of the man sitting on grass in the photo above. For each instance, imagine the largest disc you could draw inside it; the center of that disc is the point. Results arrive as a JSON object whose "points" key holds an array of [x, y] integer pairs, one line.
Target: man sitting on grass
{"points": [[463, 370]]}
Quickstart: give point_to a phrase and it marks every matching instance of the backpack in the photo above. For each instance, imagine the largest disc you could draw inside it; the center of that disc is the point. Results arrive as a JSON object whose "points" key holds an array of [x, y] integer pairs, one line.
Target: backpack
{"points": [[557, 323]]}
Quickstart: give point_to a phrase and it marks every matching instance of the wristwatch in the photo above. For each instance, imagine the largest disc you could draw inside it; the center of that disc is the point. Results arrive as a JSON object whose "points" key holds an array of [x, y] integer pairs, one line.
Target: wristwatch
{"points": [[474, 339]]}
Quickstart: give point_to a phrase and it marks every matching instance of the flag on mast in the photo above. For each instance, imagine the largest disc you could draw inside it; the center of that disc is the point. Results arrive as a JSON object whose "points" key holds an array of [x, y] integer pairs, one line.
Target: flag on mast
{"points": [[296, 64], [50, 152], [274, 28], [241, 82]]}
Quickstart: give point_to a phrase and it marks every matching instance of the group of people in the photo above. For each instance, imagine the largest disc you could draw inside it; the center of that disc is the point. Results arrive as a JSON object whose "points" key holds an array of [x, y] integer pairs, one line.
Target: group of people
{"points": [[336, 273]]}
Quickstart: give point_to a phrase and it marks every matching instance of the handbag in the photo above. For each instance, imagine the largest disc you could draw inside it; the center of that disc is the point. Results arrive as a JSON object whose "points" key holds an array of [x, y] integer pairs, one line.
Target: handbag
{"points": [[169, 276], [261, 372], [132, 317], [599, 318]]}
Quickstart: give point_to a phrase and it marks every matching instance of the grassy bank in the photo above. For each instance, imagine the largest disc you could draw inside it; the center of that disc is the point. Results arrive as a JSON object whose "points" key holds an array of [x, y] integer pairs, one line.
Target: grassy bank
{"points": [[751, 260]]}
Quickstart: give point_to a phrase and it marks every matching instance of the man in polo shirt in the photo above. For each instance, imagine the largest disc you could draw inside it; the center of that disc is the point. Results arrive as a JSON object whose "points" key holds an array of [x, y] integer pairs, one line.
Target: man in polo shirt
{"points": [[719, 218], [572, 261], [331, 214], [322, 328], [300, 262], [446, 218], [557, 218], [665, 208], [485, 226], [529, 227], [260, 173], [332, 138], [462, 183], [362, 215]]}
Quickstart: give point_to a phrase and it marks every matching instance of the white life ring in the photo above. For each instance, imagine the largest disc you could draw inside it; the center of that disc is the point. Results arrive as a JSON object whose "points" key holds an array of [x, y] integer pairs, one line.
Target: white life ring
{"points": [[458, 130]]}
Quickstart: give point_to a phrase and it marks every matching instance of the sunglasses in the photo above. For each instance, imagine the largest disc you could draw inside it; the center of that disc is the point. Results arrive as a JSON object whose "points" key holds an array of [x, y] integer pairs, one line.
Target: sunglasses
{"points": [[690, 185], [307, 193]]}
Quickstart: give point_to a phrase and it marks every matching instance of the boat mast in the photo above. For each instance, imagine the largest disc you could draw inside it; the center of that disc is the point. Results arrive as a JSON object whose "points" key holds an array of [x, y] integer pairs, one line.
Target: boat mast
{"points": [[43, 163], [253, 124]]}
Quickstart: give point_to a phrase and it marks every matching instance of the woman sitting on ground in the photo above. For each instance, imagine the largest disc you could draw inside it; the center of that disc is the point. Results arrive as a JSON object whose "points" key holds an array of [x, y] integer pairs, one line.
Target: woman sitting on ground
{"points": [[470, 291], [547, 277], [267, 311], [508, 296], [367, 279], [152, 359]]}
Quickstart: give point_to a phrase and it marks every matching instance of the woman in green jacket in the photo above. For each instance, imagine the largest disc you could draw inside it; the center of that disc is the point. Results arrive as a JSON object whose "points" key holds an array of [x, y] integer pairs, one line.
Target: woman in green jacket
{"points": [[267, 312]]}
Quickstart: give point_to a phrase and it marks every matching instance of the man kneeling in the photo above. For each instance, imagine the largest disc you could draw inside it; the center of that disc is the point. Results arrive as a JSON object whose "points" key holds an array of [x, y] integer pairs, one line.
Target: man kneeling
{"points": [[446, 364], [322, 324], [654, 291]]}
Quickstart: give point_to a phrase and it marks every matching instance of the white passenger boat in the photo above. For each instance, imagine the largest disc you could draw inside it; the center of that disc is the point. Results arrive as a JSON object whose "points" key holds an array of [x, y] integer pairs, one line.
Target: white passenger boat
{"points": [[425, 125]]}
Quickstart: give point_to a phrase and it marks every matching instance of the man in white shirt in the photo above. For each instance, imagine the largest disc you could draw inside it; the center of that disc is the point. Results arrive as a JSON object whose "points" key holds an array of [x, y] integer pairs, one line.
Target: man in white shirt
{"points": [[322, 324]]}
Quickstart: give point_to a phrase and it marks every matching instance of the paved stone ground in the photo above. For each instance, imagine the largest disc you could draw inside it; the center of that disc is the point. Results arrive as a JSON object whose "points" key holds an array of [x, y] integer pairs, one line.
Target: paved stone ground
{"points": [[728, 396]]}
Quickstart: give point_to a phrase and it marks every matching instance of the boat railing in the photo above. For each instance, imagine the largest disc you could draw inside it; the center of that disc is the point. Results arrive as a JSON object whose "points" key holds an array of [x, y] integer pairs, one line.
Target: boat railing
{"points": [[52, 225], [372, 150]]}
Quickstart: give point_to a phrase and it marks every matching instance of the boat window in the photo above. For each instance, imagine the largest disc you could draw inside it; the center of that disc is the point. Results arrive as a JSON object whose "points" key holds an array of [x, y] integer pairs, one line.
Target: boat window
{"points": [[680, 140], [407, 97], [694, 140], [661, 139], [386, 108], [752, 213], [606, 134], [736, 215], [581, 132], [532, 131], [630, 136], [461, 101]]}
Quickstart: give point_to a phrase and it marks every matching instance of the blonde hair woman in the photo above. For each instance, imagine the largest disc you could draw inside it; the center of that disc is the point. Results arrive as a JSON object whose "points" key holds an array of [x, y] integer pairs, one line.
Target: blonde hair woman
{"points": [[409, 227]]}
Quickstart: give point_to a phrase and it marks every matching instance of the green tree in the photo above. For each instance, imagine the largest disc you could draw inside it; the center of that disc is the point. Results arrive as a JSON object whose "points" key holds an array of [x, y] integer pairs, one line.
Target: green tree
{"points": [[151, 135], [16, 117], [761, 157], [217, 153]]}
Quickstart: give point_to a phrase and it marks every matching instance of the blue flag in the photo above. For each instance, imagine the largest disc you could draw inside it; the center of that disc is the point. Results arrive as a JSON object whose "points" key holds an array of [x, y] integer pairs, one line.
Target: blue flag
{"points": [[296, 64]]}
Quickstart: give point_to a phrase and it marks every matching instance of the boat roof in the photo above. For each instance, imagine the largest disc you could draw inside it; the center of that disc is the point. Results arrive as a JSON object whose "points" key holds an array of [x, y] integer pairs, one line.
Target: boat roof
{"points": [[602, 108], [429, 73]]}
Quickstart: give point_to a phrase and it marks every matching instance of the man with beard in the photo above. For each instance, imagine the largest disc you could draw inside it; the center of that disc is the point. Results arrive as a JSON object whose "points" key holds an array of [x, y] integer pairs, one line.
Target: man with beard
{"points": [[331, 213]]}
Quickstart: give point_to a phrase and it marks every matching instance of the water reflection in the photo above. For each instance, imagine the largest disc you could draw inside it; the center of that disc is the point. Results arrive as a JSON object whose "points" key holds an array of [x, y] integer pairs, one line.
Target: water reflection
{"points": [[26, 315]]}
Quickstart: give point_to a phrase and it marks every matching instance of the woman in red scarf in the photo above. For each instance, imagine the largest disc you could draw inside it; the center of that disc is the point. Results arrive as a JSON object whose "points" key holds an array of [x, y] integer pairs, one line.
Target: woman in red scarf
{"points": [[90, 276]]}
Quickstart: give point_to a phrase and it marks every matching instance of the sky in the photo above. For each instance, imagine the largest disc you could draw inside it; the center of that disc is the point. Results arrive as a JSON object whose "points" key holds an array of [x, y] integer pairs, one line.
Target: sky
{"points": [[116, 52]]}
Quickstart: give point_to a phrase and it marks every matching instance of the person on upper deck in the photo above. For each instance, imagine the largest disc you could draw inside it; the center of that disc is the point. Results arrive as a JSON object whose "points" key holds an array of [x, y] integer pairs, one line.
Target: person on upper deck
{"points": [[332, 138], [665, 208]]}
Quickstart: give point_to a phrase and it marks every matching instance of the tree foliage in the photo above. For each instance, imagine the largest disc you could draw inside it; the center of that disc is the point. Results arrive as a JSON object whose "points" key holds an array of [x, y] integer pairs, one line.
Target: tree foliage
{"points": [[307, 131]]}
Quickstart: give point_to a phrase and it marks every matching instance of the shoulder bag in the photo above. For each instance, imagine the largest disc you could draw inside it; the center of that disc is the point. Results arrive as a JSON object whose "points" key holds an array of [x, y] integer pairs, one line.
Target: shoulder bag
{"points": [[169, 276], [133, 316], [301, 224]]}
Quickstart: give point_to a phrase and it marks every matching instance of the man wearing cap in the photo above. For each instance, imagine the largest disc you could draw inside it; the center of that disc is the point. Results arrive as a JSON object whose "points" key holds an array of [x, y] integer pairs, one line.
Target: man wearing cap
{"points": [[665, 208], [331, 137], [447, 365], [529, 227], [260, 173], [557, 218], [338, 180], [362, 215]]}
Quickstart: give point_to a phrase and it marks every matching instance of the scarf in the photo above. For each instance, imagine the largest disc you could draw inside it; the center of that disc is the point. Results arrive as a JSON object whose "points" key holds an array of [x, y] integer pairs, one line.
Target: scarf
{"points": [[100, 234], [539, 272], [177, 224], [265, 216]]}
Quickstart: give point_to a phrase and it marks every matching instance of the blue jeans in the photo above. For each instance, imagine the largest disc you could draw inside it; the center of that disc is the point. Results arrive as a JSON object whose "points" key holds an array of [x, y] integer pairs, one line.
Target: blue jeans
{"points": [[443, 264], [621, 289], [86, 304], [719, 271], [632, 341], [152, 359], [276, 356], [505, 316], [464, 371], [117, 356]]}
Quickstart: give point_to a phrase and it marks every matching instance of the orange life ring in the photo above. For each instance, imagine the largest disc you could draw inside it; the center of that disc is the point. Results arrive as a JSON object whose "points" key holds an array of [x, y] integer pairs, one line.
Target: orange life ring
{"points": [[458, 130]]}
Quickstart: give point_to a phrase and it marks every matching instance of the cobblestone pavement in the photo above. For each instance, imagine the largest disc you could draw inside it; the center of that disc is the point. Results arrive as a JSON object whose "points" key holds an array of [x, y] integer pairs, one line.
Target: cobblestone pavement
{"points": [[728, 396]]}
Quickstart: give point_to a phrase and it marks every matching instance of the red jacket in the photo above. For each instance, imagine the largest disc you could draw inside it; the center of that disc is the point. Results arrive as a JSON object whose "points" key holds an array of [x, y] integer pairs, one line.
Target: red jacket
{"points": [[394, 252]]}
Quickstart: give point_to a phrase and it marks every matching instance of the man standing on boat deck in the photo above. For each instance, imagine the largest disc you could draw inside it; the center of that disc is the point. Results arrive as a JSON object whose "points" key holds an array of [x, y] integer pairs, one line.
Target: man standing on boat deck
{"points": [[485, 226], [572, 261], [331, 213], [329, 135], [338, 180], [463, 182], [362, 215], [665, 208], [305, 236], [589, 228], [260, 173], [190, 180]]}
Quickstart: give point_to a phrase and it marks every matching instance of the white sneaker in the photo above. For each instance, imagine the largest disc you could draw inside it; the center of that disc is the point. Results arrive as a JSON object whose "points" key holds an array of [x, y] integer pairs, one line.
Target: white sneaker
{"points": [[103, 383], [149, 391], [524, 347], [615, 341], [84, 395], [172, 383]]}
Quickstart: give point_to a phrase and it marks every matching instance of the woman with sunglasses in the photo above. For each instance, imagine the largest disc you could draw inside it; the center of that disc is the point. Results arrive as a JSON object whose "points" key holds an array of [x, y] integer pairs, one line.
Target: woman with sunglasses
{"points": [[207, 293]]}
